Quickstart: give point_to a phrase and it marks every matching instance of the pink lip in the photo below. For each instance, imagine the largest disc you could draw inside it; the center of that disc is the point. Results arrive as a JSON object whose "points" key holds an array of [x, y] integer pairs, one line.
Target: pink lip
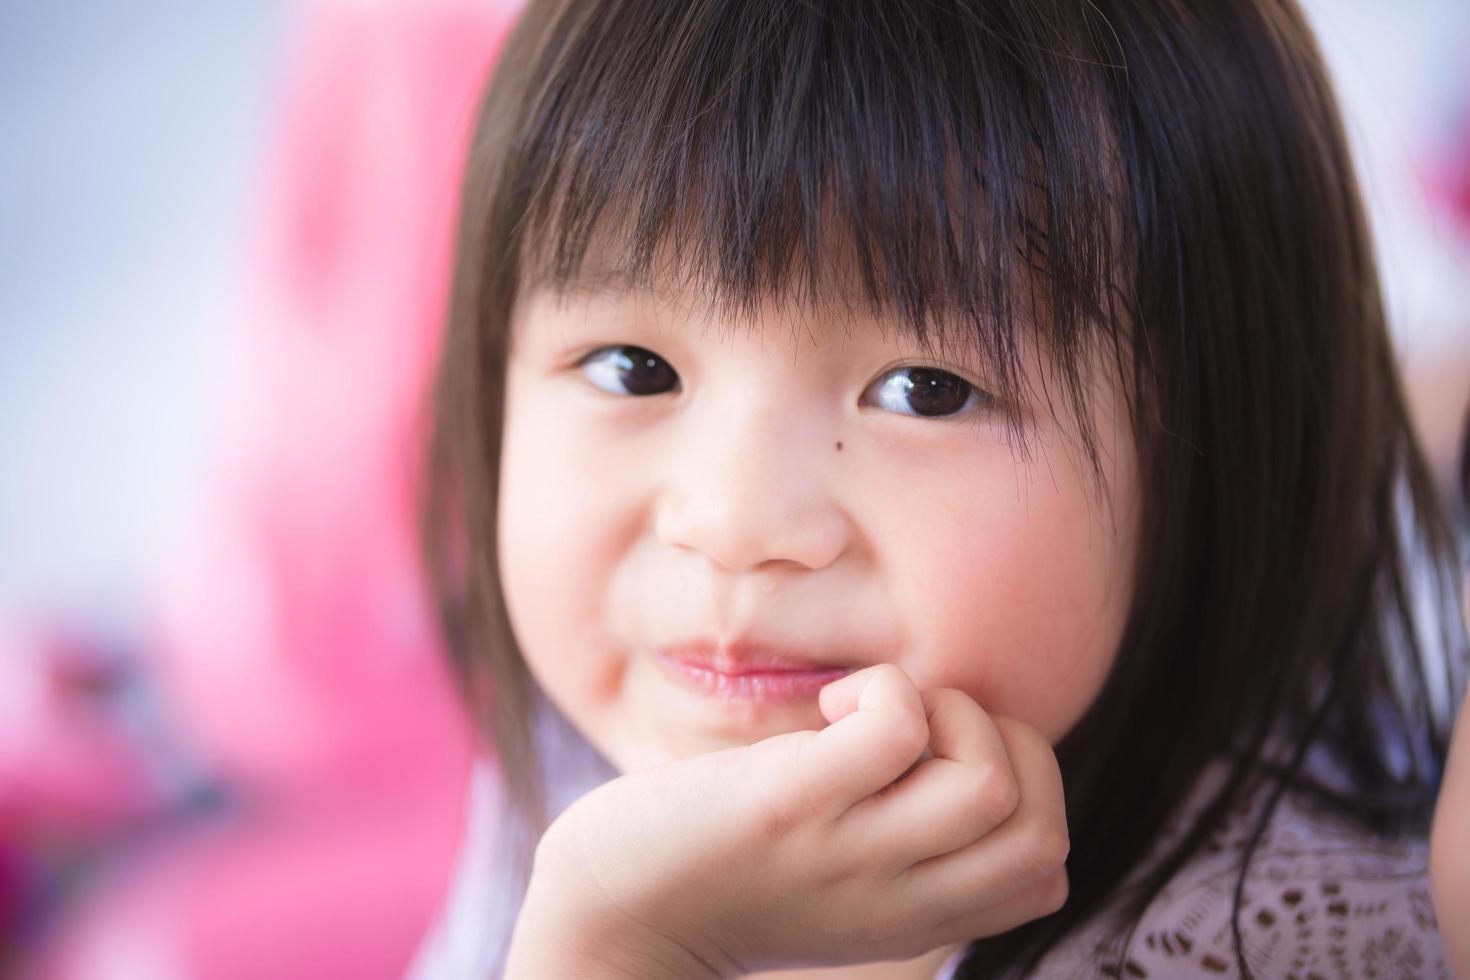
{"points": [[773, 686], [747, 657]]}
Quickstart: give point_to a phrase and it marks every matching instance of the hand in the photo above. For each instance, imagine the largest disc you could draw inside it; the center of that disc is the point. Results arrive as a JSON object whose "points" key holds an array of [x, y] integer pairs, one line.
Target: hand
{"points": [[910, 822]]}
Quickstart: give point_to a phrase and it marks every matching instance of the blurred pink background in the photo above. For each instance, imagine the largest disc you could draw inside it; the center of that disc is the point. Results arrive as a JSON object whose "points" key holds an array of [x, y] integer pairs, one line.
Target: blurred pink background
{"points": [[228, 743], [291, 805]]}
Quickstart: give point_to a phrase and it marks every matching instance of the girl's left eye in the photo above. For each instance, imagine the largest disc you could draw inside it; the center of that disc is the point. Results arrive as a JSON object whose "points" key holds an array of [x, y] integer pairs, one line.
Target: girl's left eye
{"points": [[628, 370], [924, 392]]}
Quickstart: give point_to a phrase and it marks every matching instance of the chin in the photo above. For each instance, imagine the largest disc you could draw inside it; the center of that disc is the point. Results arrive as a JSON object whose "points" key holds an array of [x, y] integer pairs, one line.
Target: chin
{"points": [[669, 749]]}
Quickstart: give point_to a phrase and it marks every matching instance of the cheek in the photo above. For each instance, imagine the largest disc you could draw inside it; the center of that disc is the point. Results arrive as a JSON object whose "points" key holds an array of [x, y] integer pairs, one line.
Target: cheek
{"points": [[557, 529], [1030, 620]]}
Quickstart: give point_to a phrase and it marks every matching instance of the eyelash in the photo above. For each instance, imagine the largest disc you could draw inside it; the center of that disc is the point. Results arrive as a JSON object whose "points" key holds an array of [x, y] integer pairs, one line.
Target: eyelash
{"points": [[632, 356]]}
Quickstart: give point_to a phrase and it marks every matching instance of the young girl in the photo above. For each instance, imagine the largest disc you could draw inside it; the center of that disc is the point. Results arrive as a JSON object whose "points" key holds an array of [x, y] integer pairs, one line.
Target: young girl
{"points": [[924, 489]]}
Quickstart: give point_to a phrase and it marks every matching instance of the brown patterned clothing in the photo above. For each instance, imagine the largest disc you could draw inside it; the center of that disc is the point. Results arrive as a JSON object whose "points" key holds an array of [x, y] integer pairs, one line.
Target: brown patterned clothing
{"points": [[1324, 900]]}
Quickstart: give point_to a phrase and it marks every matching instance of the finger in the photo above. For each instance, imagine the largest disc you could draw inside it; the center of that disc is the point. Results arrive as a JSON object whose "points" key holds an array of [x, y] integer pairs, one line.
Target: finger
{"points": [[878, 730], [962, 793], [959, 729], [1030, 845]]}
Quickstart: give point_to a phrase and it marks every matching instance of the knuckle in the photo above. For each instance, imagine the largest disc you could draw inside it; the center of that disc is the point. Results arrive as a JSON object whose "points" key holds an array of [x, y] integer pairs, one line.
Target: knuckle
{"points": [[1013, 730], [1045, 849], [910, 725], [946, 697], [1002, 794], [890, 673], [991, 794], [779, 820], [783, 815], [912, 733], [1054, 893]]}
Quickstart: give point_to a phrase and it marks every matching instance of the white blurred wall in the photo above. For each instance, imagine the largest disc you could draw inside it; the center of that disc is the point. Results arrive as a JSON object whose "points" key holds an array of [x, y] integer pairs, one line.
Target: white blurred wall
{"points": [[1402, 73], [132, 139]]}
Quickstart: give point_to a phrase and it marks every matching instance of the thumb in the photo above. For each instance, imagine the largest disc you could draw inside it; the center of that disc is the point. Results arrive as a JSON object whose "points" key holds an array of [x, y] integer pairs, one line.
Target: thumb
{"points": [[878, 730]]}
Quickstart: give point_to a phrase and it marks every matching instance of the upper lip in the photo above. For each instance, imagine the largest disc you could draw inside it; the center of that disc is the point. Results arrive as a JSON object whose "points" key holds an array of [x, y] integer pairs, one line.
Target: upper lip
{"points": [[749, 656]]}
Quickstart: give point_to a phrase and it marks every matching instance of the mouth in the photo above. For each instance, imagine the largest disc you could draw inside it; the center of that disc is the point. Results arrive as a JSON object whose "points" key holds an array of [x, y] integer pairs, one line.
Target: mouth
{"points": [[745, 672], [772, 686]]}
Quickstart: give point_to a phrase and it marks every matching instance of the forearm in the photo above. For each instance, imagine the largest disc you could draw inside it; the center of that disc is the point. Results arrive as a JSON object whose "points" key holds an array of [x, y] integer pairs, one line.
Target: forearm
{"points": [[1449, 860]]}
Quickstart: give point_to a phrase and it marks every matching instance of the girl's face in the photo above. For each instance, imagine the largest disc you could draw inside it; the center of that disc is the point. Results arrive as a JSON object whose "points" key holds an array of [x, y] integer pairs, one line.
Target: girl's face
{"points": [[678, 488]]}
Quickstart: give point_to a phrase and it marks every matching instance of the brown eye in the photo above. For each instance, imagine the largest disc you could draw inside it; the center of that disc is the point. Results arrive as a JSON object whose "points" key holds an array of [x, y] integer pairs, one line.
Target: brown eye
{"points": [[629, 370], [925, 392]]}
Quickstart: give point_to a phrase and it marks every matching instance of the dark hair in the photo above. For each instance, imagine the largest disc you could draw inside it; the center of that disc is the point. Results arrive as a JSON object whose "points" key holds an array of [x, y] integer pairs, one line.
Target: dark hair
{"points": [[1465, 463], [1166, 184]]}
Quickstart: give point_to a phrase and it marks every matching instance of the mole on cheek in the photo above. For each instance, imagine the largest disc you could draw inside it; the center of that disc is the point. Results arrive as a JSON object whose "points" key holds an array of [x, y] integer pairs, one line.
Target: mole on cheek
{"points": [[839, 447]]}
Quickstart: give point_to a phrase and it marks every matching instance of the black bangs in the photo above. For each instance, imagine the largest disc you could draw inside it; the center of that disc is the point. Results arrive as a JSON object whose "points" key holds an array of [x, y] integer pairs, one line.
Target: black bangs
{"points": [[948, 165]]}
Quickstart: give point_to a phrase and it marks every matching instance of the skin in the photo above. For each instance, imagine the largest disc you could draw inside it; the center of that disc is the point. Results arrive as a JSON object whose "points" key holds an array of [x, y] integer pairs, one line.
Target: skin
{"points": [[1450, 853], [1449, 845], [780, 491]]}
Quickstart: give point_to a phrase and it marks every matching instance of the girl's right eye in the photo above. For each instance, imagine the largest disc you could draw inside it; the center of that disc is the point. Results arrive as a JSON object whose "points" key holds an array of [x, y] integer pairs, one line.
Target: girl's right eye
{"points": [[629, 370]]}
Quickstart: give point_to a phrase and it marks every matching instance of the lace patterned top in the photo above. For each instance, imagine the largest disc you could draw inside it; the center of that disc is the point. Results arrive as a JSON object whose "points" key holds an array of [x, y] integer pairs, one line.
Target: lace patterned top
{"points": [[1323, 900]]}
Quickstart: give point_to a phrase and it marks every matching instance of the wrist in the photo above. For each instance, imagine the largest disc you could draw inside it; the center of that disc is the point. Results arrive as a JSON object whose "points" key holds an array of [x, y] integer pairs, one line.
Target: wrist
{"points": [[566, 927]]}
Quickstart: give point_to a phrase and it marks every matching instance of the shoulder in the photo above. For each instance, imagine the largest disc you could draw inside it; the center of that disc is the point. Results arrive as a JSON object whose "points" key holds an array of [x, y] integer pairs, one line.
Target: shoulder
{"points": [[471, 936], [1323, 898], [472, 929]]}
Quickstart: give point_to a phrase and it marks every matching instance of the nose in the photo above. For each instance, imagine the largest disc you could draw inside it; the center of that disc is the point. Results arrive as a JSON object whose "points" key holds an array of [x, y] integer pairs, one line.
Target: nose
{"points": [[753, 489]]}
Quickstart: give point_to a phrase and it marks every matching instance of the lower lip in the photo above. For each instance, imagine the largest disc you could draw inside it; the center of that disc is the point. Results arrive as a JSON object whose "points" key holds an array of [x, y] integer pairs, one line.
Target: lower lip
{"points": [[770, 686]]}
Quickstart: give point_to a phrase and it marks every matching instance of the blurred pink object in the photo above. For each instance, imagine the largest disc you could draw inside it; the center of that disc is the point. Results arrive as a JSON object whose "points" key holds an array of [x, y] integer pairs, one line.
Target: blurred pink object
{"points": [[75, 771], [294, 638], [1448, 171], [68, 769]]}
